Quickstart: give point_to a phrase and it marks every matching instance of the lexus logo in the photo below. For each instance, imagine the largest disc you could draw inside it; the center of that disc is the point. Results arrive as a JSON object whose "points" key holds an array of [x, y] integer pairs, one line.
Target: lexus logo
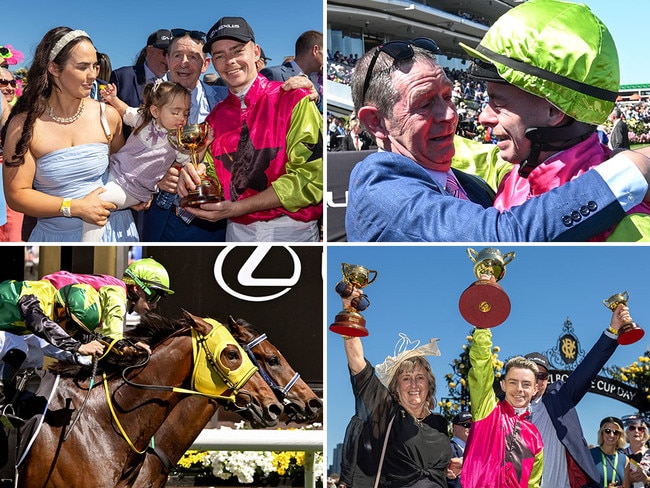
{"points": [[245, 276]]}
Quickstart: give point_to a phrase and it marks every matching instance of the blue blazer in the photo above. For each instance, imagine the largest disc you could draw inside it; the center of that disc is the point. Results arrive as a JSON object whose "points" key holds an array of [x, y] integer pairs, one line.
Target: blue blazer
{"points": [[280, 73], [130, 81], [392, 198], [285, 71], [561, 398]]}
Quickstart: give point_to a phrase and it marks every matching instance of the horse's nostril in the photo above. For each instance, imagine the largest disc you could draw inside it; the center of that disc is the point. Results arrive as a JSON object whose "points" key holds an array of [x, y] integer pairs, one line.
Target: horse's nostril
{"points": [[275, 409], [315, 404]]}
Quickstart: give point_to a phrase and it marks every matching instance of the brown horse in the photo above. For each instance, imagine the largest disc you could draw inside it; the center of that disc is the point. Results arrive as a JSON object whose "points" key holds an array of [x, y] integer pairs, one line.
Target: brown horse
{"points": [[171, 444], [111, 435]]}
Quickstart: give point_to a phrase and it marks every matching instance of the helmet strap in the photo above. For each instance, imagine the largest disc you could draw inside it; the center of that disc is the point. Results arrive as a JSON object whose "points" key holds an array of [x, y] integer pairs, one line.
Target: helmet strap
{"points": [[553, 139]]}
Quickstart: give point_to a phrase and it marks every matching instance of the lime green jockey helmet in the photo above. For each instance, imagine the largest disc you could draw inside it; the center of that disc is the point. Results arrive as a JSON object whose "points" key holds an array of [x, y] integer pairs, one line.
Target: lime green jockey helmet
{"points": [[81, 303], [149, 275], [556, 50]]}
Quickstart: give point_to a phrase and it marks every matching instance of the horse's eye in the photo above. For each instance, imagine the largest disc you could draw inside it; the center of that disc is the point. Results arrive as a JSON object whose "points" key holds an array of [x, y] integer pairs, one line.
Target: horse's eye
{"points": [[233, 355], [273, 361]]}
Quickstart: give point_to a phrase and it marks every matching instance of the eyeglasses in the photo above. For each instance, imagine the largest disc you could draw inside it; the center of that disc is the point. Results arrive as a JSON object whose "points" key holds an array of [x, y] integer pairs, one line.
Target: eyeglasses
{"points": [[639, 428], [8, 82], [467, 425], [612, 432], [542, 376], [398, 50], [194, 34]]}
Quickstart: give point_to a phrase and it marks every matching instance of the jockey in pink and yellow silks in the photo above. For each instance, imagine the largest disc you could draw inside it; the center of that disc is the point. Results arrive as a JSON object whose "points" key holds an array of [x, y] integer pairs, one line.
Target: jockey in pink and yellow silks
{"points": [[552, 74], [504, 449]]}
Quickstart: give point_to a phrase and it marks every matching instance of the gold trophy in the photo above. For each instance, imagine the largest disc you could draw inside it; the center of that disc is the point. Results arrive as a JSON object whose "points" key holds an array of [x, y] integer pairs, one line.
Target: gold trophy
{"points": [[350, 322], [192, 138], [484, 304], [630, 332]]}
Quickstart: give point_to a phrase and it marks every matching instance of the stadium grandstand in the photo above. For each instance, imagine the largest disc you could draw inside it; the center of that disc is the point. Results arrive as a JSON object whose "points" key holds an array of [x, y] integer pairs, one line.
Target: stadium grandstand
{"points": [[355, 26]]}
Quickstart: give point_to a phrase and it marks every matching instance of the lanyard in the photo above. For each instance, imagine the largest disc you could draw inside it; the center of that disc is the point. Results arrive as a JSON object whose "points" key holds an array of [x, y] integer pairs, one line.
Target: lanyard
{"points": [[605, 460]]}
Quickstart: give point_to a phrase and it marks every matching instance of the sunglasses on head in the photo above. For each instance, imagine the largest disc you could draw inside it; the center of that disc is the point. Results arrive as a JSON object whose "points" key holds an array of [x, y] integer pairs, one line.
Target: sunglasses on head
{"points": [[610, 432], [542, 376], [639, 428], [398, 50], [8, 82], [194, 34]]}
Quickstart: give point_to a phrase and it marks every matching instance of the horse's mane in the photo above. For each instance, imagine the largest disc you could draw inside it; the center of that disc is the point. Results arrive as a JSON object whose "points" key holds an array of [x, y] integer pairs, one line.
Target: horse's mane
{"points": [[246, 325], [152, 329]]}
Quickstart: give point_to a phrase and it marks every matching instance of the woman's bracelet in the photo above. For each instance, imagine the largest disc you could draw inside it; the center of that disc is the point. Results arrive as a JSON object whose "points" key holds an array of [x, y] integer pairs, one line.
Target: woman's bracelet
{"points": [[65, 207]]}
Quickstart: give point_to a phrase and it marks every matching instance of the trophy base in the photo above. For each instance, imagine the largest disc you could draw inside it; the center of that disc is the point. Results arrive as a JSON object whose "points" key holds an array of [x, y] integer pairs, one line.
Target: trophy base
{"points": [[484, 304], [629, 334], [208, 191], [349, 323]]}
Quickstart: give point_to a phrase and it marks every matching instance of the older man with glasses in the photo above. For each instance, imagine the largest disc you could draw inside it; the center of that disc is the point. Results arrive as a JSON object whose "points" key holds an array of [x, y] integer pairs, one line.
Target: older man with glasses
{"points": [[408, 192], [165, 220], [567, 460]]}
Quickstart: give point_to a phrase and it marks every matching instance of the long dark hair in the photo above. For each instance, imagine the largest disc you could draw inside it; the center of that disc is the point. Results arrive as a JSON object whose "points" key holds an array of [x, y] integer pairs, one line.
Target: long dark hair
{"points": [[33, 101]]}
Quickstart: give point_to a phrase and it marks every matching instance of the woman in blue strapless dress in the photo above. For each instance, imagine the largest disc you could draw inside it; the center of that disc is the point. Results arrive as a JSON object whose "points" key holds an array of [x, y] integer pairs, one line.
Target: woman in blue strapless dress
{"points": [[54, 164]]}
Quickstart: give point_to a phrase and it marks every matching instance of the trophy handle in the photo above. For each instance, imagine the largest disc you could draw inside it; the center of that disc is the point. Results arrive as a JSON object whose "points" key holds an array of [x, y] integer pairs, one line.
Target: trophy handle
{"points": [[374, 276], [508, 257], [472, 254], [345, 269], [626, 296]]}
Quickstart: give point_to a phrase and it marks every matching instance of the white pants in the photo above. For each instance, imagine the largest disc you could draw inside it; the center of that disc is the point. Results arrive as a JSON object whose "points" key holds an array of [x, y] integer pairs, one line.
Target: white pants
{"points": [[115, 194], [280, 229]]}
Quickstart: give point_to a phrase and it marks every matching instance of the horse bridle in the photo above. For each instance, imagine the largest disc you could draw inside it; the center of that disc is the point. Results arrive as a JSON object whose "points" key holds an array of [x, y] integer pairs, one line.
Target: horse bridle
{"points": [[280, 392]]}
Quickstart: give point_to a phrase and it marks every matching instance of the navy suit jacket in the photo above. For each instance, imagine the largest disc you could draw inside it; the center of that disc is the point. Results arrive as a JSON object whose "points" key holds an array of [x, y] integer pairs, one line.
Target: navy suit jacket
{"points": [[280, 73], [561, 398], [392, 198], [285, 71], [130, 81]]}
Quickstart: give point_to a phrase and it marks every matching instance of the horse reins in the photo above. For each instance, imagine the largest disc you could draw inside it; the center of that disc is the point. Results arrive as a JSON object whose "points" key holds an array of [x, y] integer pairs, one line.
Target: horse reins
{"points": [[280, 392]]}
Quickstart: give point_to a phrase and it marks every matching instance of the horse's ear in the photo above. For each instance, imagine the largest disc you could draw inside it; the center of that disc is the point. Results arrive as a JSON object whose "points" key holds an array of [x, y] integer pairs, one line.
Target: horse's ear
{"points": [[232, 321]]}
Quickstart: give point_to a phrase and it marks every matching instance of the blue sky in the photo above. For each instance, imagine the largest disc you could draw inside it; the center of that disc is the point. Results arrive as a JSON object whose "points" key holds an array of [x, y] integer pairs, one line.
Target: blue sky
{"points": [[417, 291], [121, 28]]}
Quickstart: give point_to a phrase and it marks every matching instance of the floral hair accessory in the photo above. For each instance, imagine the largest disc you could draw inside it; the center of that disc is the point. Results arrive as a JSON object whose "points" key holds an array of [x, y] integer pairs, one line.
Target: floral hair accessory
{"points": [[156, 85], [404, 349], [63, 42], [9, 55]]}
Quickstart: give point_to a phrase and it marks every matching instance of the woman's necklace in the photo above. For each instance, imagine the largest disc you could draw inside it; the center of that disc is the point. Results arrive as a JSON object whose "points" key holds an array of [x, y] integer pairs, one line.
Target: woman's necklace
{"points": [[67, 120]]}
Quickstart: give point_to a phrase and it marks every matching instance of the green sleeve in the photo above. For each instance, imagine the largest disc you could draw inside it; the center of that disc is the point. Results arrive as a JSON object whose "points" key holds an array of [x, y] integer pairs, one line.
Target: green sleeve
{"points": [[481, 160], [481, 375], [302, 185], [535, 479], [113, 302]]}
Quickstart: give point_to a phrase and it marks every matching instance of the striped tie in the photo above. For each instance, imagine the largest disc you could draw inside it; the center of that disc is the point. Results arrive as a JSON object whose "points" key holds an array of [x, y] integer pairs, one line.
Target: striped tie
{"points": [[453, 188]]}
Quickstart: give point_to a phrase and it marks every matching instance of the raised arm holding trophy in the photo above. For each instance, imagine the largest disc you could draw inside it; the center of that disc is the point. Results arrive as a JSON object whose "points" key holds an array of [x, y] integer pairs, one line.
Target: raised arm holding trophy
{"points": [[349, 322], [630, 332], [484, 303]]}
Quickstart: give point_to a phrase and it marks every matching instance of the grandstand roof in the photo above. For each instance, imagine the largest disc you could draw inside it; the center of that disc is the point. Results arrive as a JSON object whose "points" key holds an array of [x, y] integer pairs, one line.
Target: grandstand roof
{"points": [[397, 19]]}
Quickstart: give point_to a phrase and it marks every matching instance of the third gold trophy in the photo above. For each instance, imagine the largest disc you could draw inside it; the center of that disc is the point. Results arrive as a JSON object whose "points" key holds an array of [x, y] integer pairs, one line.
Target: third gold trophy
{"points": [[349, 322]]}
